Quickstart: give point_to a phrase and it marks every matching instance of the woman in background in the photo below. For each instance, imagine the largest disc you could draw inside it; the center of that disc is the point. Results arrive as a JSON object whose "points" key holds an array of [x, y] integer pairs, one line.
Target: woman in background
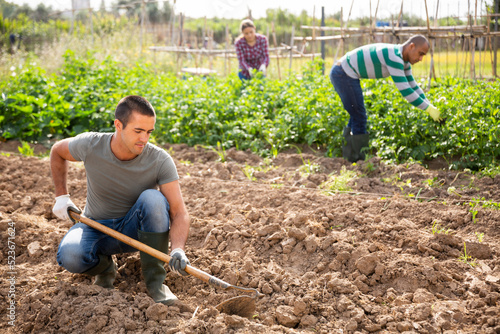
{"points": [[252, 51]]}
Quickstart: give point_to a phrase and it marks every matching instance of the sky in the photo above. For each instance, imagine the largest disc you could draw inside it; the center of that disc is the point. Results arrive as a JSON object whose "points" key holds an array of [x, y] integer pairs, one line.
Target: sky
{"points": [[238, 9]]}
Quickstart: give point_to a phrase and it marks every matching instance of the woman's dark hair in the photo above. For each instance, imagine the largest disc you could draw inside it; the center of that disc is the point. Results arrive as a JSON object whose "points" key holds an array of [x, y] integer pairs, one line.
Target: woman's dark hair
{"points": [[245, 24], [133, 103]]}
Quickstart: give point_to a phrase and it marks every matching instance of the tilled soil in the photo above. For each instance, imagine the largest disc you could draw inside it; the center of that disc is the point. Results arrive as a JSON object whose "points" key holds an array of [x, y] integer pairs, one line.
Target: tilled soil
{"points": [[403, 249]]}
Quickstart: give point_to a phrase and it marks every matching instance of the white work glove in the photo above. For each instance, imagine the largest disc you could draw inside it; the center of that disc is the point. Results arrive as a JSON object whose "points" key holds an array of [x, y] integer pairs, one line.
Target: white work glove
{"points": [[263, 69], [60, 209], [434, 113], [250, 70], [178, 261]]}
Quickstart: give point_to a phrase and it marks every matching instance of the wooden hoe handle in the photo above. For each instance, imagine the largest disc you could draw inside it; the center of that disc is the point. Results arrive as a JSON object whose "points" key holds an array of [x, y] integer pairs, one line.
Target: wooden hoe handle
{"points": [[205, 277]]}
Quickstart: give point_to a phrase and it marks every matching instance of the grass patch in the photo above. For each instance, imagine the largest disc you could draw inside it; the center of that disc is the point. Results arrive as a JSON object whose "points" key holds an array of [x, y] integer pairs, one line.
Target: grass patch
{"points": [[338, 183]]}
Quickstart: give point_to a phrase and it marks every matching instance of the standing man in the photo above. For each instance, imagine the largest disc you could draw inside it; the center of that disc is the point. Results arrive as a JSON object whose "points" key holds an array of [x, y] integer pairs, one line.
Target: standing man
{"points": [[133, 188], [376, 61]]}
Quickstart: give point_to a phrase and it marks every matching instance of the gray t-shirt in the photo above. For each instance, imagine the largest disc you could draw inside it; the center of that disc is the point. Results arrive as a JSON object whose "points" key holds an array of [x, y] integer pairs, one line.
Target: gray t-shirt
{"points": [[113, 186]]}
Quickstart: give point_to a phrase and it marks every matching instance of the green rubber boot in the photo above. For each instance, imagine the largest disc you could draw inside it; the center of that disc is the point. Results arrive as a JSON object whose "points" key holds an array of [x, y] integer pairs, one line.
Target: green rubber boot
{"points": [[347, 147], [359, 146], [104, 272], [153, 269]]}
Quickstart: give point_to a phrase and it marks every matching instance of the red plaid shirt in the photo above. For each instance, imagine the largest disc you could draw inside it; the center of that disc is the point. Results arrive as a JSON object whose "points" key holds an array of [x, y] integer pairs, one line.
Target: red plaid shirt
{"points": [[252, 56]]}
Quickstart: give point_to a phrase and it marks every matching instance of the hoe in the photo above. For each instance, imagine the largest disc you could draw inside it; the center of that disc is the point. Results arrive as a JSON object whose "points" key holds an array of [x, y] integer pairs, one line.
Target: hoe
{"points": [[243, 306]]}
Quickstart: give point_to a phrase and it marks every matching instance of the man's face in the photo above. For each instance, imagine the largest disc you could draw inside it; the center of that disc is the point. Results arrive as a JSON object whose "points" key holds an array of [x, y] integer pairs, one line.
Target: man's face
{"points": [[417, 53], [249, 34], [134, 137]]}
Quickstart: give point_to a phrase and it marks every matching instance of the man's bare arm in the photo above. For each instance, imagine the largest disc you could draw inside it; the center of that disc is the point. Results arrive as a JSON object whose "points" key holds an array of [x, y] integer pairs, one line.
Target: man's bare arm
{"points": [[59, 157], [179, 218]]}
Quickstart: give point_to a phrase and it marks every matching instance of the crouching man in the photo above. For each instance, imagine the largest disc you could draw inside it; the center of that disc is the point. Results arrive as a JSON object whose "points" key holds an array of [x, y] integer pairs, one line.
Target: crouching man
{"points": [[133, 188]]}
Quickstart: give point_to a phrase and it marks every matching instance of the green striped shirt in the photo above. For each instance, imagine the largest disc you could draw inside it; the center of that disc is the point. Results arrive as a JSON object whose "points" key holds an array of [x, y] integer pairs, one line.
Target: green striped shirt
{"points": [[375, 61]]}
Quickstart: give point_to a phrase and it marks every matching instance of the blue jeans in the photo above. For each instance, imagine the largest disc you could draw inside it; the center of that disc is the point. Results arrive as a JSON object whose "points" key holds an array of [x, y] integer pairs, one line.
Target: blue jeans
{"points": [[80, 248], [351, 94], [242, 76]]}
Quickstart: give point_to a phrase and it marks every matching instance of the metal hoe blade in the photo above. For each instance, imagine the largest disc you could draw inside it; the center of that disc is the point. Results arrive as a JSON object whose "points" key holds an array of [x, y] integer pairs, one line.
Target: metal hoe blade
{"points": [[244, 306]]}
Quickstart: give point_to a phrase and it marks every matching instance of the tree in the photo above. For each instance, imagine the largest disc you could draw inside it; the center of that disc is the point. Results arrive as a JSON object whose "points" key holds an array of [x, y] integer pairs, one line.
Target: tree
{"points": [[41, 13]]}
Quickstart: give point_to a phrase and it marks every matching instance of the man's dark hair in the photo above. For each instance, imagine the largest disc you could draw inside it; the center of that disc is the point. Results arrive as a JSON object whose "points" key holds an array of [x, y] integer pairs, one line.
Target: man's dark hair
{"points": [[418, 40], [133, 103]]}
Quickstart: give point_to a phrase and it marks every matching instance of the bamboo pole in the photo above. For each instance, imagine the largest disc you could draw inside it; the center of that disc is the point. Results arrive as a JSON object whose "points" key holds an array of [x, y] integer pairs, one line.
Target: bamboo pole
{"points": [[400, 13], [196, 56], [496, 4], [472, 47], [143, 14], [466, 57], [434, 40], [490, 44], [430, 46], [375, 15], [91, 27], [480, 63], [341, 40], [225, 54], [172, 25], [72, 30], [349, 16], [371, 23], [178, 62], [291, 48], [477, 30], [313, 42], [277, 52], [210, 48]]}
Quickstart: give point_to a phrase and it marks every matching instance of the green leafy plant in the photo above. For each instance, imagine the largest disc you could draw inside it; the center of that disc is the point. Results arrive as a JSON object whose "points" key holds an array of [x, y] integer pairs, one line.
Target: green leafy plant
{"points": [[308, 168], [473, 209], [248, 171], [453, 191], [26, 149], [220, 150], [489, 204], [433, 182], [438, 229], [368, 167], [467, 259], [480, 236], [263, 115]]}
